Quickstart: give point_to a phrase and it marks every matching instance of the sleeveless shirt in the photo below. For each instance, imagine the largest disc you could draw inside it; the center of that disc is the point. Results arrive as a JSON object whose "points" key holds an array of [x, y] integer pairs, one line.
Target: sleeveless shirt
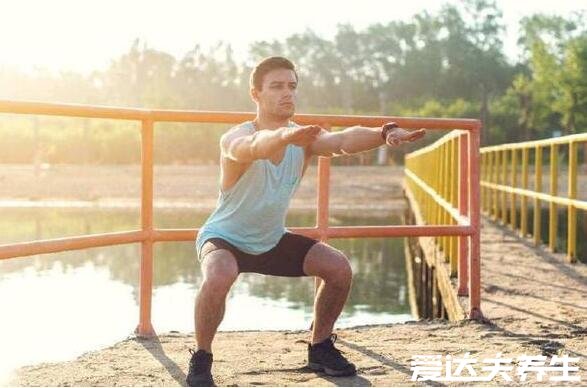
{"points": [[251, 214]]}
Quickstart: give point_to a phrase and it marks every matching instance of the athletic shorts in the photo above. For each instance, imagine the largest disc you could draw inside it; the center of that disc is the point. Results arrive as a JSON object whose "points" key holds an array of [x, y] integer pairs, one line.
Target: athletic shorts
{"points": [[284, 259]]}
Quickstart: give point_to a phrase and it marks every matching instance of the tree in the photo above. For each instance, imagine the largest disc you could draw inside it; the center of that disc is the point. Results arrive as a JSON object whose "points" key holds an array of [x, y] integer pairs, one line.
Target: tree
{"points": [[554, 50], [573, 102]]}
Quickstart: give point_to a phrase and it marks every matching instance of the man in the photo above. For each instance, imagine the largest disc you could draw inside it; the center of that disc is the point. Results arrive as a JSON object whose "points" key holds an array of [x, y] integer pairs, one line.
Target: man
{"points": [[262, 163]]}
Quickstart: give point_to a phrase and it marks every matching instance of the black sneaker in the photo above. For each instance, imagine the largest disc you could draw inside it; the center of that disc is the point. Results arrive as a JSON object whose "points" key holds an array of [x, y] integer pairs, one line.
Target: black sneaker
{"points": [[200, 371], [325, 357]]}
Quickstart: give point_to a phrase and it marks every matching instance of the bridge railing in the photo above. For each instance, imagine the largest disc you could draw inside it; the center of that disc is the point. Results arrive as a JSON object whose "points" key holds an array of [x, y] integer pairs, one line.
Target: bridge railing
{"points": [[148, 235], [443, 180], [505, 172]]}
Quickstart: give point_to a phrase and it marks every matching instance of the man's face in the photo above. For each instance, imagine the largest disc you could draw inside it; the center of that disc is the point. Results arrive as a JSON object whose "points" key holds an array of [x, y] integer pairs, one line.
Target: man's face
{"points": [[277, 98]]}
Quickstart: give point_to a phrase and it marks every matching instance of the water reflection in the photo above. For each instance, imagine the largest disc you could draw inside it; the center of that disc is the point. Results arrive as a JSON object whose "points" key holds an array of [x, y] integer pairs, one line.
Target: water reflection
{"points": [[61, 305]]}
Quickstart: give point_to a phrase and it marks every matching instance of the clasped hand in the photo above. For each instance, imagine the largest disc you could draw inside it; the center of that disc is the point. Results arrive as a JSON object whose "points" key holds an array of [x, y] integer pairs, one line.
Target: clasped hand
{"points": [[397, 136]]}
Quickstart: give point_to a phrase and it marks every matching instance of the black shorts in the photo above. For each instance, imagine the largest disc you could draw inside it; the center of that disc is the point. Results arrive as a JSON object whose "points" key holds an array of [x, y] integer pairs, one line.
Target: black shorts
{"points": [[284, 259]]}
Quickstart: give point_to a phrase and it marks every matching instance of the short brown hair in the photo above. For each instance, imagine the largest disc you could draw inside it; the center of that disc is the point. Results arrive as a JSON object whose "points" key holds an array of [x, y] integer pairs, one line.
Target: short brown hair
{"points": [[265, 66]]}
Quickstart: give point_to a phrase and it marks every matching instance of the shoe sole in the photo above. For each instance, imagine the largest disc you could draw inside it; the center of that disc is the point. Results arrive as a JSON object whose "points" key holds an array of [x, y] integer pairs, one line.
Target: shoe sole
{"points": [[200, 383], [332, 372]]}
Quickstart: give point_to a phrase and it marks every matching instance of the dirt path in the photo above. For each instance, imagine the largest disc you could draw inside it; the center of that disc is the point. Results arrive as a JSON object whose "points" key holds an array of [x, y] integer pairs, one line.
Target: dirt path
{"points": [[536, 305], [532, 294]]}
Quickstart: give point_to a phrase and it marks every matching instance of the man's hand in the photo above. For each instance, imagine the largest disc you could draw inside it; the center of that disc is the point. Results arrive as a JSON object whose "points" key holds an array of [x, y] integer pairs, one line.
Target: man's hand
{"points": [[301, 136], [398, 136]]}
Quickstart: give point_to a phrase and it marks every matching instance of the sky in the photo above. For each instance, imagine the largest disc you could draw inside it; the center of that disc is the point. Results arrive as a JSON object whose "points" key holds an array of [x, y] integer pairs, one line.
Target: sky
{"points": [[82, 36]]}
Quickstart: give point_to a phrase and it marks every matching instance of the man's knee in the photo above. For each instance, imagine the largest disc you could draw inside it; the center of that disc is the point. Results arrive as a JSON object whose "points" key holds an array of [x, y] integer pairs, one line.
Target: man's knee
{"points": [[220, 270], [337, 268], [341, 271]]}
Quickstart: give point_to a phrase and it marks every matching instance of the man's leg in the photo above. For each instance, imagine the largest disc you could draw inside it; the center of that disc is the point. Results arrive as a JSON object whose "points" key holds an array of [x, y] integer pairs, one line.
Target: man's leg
{"points": [[220, 270], [333, 267]]}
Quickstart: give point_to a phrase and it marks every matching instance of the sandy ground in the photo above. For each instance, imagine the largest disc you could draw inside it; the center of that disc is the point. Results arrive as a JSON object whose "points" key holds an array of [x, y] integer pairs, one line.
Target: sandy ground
{"points": [[534, 304]]}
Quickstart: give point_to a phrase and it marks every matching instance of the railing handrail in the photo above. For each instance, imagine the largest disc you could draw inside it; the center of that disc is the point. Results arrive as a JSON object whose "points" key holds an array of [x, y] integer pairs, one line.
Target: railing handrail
{"points": [[437, 143], [577, 137], [148, 235], [452, 210], [557, 199], [222, 117]]}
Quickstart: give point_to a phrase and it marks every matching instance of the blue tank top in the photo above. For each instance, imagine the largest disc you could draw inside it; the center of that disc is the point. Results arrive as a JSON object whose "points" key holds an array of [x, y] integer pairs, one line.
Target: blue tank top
{"points": [[251, 214]]}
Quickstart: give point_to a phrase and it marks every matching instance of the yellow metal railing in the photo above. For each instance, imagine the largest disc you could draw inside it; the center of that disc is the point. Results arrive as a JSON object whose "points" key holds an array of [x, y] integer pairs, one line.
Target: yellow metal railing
{"points": [[434, 173], [501, 188], [442, 186]]}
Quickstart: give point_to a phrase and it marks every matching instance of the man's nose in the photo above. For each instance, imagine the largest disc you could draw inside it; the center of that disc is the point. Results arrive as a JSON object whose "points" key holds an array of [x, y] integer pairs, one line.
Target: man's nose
{"points": [[289, 94]]}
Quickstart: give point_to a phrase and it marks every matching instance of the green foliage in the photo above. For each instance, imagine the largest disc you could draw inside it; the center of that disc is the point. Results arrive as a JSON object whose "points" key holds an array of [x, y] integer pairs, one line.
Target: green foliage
{"points": [[573, 102], [447, 64], [553, 94]]}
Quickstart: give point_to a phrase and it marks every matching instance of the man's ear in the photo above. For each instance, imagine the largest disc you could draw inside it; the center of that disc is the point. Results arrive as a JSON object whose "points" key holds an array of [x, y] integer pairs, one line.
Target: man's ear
{"points": [[254, 94]]}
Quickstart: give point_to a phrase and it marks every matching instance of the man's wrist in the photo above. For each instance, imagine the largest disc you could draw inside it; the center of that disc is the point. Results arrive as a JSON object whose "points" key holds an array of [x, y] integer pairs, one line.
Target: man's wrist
{"points": [[282, 135], [386, 128]]}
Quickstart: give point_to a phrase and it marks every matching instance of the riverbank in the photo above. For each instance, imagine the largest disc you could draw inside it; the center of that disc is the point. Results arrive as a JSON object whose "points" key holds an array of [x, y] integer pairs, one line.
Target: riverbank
{"points": [[362, 190], [533, 301]]}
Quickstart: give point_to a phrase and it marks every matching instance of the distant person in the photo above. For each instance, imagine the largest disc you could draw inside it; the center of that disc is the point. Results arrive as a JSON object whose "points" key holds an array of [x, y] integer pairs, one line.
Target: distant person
{"points": [[262, 162]]}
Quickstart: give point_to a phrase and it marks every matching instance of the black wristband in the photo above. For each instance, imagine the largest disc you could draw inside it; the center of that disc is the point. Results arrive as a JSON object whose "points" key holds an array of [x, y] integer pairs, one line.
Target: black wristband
{"points": [[386, 128]]}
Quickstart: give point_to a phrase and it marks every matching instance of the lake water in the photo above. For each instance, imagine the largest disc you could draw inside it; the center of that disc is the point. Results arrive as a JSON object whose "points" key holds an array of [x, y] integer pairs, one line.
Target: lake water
{"points": [[55, 307]]}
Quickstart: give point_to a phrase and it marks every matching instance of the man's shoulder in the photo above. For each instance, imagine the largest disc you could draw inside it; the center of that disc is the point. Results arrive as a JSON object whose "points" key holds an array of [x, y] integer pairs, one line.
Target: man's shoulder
{"points": [[246, 126], [242, 129]]}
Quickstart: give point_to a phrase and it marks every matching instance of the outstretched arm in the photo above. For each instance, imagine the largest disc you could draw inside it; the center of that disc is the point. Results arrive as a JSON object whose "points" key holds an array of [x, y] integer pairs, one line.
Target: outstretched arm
{"points": [[242, 147], [358, 139]]}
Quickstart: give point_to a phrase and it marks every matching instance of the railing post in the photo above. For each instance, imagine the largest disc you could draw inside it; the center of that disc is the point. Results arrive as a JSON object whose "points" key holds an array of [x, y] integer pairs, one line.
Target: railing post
{"points": [[504, 168], [454, 197], [571, 210], [553, 212], [484, 172], [443, 190], [463, 210], [145, 328], [524, 199], [514, 183], [496, 180], [475, 217], [323, 194], [322, 212], [537, 230], [439, 215]]}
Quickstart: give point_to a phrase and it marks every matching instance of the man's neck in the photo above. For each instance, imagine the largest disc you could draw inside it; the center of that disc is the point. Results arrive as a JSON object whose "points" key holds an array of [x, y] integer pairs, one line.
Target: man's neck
{"points": [[271, 123]]}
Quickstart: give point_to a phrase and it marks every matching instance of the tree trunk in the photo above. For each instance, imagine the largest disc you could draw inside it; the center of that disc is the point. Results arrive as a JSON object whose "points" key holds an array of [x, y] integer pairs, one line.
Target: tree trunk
{"points": [[524, 119], [571, 124], [484, 113]]}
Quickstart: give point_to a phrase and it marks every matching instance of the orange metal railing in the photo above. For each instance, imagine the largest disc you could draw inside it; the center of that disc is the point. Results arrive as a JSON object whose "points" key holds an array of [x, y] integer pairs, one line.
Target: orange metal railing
{"points": [[148, 235]]}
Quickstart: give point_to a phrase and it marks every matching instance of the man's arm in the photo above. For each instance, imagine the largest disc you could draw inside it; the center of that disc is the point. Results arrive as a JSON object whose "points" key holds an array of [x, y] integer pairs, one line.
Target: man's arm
{"points": [[242, 147], [358, 139], [349, 141]]}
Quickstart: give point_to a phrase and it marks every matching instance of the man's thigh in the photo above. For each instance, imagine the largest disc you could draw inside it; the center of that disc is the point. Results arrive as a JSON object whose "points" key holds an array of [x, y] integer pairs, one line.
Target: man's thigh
{"points": [[323, 261]]}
